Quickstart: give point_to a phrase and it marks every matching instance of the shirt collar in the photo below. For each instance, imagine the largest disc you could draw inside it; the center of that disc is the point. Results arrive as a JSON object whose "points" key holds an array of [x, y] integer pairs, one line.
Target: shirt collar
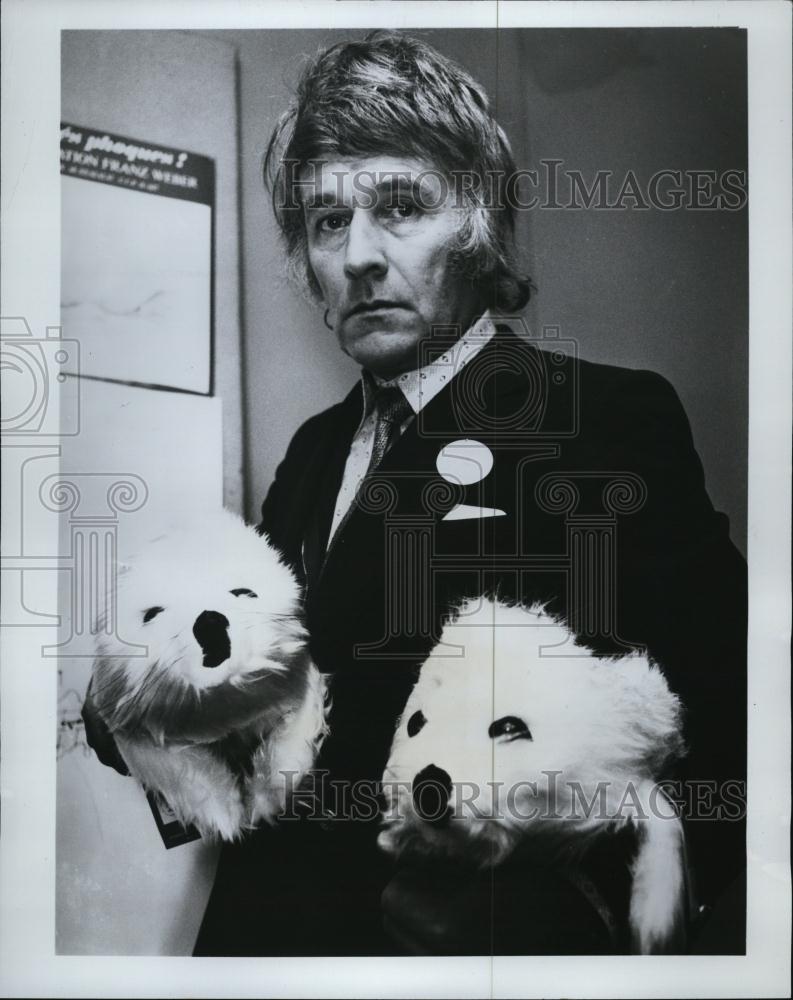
{"points": [[423, 384]]}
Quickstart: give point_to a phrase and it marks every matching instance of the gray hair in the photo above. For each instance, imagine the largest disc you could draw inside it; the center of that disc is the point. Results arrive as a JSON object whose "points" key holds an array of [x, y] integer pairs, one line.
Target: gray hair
{"points": [[393, 94]]}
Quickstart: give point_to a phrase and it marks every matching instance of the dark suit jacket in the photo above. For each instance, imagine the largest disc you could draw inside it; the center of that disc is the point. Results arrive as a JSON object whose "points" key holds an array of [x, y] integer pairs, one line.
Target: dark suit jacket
{"points": [[606, 518], [586, 456]]}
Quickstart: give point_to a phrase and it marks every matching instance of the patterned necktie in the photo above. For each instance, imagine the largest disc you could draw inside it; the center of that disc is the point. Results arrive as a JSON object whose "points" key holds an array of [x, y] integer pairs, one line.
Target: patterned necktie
{"points": [[392, 411]]}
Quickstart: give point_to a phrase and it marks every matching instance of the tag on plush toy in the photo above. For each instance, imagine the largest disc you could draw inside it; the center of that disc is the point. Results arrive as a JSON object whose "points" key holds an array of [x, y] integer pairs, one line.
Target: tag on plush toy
{"points": [[171, 830]]}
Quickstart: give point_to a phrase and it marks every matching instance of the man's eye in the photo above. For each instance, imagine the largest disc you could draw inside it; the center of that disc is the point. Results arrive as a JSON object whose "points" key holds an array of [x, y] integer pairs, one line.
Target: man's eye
{"points": [[150, 613], [510, 726], [401, 210], [332, 223]]}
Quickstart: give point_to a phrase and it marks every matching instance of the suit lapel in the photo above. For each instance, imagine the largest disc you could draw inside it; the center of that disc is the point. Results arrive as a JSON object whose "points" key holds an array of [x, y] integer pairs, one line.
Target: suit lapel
{"points": [[323, 479], [498, 380]]}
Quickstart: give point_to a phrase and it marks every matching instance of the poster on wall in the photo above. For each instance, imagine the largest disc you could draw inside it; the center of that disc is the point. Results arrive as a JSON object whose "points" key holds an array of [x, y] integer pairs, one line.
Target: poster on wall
{"points": [[136, 272]]}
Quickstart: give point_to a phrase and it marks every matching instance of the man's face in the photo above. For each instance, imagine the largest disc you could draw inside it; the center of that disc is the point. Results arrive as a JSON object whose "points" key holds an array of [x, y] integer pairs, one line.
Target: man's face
{"points": [[378, 243]]}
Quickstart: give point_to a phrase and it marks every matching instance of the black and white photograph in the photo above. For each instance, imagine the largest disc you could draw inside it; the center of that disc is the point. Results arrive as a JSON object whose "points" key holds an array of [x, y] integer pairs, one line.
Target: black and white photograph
{"points": [[396, 504]]}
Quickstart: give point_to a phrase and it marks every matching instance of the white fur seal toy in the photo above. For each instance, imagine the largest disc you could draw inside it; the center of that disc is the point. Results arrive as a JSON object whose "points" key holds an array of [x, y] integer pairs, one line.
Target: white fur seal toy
{"points": [[221, 711], [507, 745]]}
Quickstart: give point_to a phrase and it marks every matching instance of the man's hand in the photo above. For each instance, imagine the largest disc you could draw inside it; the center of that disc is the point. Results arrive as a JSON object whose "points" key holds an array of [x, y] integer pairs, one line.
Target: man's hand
{"points": [[99, 737], [429, 911], [512, 909], [721, 928]]}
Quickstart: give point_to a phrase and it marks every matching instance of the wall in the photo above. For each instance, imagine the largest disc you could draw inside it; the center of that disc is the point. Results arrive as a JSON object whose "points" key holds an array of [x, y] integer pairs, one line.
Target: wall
{"points": [[175, 88], [119, 891], [649, 289]]}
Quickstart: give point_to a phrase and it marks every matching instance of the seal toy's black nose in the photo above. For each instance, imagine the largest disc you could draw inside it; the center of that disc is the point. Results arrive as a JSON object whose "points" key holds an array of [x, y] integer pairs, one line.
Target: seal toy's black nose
{"points": [[432, 788], [211, 632]]}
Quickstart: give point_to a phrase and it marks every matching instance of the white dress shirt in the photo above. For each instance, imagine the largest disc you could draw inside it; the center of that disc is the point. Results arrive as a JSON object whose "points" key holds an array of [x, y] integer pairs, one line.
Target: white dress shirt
{"points": [[419, 387]]}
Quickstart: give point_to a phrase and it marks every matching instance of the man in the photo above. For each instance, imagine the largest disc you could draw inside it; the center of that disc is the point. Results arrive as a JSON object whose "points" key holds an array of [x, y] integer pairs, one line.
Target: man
{"points": [[389, 181]]}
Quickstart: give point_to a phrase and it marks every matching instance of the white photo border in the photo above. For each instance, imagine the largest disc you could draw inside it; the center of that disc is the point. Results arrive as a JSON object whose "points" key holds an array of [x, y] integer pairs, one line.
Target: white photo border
{"points": [[30, 288]]}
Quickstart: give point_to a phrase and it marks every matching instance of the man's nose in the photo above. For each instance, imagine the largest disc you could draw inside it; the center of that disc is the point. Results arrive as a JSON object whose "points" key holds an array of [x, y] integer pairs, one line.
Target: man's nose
{"points": [[364, 254]]}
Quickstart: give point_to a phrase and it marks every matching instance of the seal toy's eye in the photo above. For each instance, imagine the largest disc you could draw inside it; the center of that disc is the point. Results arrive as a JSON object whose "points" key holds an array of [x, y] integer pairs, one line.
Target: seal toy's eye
{"points": [[243, 592], [416, 723], [150, 613], [511, 727]]}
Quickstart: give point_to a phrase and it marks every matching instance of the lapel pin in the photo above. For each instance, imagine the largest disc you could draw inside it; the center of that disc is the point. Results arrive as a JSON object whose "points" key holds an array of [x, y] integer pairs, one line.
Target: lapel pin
{"points": [[463, 463]]}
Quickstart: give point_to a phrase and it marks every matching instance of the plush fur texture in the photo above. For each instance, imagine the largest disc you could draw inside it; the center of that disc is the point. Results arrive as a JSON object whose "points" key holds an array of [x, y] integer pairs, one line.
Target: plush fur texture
{"points": [[491, 744], [222, 710]]}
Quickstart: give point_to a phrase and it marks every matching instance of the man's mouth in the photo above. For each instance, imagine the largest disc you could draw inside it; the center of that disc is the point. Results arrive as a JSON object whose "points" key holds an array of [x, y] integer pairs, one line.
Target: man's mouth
{"points": [[371, 306]]}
